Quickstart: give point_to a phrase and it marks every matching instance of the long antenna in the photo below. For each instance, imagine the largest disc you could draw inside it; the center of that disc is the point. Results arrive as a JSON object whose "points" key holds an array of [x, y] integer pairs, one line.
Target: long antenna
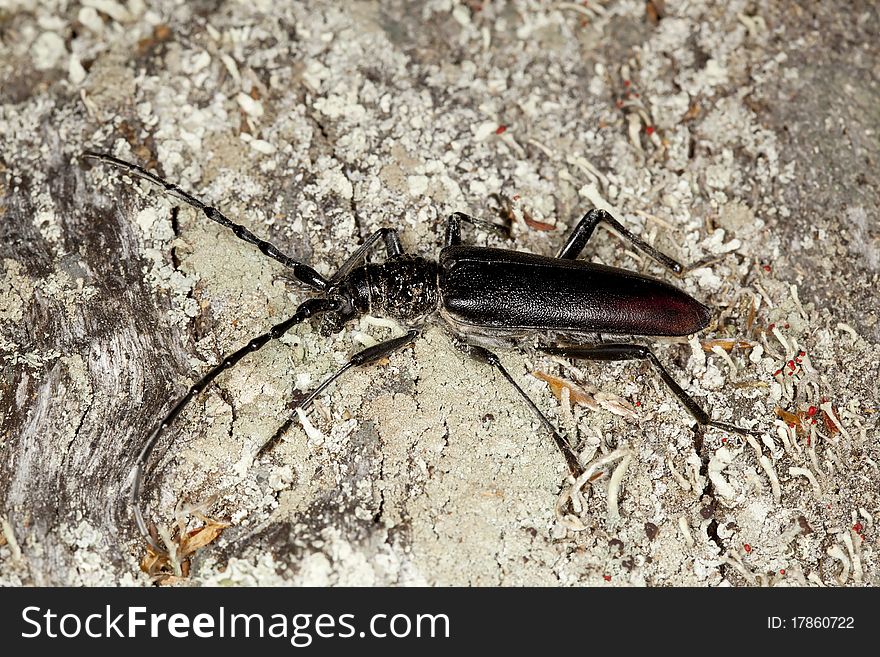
{"points": [[301, 271], [306, 310]]}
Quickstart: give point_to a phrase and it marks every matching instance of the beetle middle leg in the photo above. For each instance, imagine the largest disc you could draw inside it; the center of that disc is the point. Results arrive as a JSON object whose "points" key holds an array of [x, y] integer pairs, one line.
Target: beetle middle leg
{"points": [[453, 227], [485, 356], [619, 351], [578, 238]]}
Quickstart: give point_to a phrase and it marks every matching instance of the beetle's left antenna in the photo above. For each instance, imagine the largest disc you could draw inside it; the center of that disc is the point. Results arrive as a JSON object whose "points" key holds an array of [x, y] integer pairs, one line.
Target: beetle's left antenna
{"points": [[303, 273], [306, 310]]}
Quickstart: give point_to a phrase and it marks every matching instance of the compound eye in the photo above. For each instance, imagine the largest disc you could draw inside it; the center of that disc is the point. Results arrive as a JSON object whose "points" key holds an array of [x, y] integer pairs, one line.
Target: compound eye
{"points": [[343, 307]]}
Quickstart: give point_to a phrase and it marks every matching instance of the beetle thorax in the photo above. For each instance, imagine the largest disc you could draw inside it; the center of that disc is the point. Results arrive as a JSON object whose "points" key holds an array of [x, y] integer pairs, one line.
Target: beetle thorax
{"points": [[403, 288]]}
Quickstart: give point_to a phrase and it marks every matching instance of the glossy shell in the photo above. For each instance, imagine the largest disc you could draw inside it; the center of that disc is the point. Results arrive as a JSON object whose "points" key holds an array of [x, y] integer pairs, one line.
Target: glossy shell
{"points": [[510, 291]]}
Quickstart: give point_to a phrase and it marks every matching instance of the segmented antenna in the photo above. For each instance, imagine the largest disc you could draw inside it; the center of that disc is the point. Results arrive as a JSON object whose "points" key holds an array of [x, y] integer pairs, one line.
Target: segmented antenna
{"points": [[301, 271]]}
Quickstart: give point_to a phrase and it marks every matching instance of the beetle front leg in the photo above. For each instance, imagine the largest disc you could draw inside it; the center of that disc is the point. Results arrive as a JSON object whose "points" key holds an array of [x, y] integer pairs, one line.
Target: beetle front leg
{"points": [[578, 238], [363, 357], [485, 356], [617, 351], [393, 248]]}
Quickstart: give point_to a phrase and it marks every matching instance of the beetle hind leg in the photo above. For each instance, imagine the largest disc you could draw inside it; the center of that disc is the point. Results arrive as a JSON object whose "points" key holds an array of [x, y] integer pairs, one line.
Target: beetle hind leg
{"points": [[619, 351]]}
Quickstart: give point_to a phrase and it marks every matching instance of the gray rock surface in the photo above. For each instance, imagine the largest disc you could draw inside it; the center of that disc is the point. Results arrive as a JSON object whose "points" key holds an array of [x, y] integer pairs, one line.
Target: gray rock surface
{"points": [[743, 140]]}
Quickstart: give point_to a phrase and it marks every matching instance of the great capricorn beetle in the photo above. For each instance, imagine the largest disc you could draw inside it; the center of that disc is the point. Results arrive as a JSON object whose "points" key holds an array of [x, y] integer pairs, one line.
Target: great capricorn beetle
{"points": [[487, 297]]}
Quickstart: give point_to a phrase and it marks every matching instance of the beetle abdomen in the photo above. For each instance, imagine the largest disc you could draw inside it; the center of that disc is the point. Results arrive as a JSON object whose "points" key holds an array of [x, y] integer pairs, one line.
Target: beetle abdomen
{"points": [[514, 291]]}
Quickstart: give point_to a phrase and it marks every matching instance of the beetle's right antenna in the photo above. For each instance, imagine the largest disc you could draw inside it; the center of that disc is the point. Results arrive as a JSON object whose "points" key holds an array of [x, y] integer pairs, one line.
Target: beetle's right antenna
{"points": [[306, 310], [301, 271]]}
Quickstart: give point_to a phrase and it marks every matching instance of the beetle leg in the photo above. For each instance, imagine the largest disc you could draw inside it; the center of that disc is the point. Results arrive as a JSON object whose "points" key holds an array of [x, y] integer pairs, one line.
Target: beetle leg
{"points": [[392, 246], [363, 357], [484, 355], [617, 351], [453, 227], [578, 238]]}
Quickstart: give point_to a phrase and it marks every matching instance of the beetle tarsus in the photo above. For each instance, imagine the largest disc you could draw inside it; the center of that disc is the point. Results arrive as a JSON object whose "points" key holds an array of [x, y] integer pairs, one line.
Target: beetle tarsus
{"points": [[453, 227], [623, 351]]}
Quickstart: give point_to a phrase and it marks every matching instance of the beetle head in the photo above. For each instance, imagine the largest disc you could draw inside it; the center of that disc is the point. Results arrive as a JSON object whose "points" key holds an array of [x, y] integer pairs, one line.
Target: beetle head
{"points": [[342, 310]]}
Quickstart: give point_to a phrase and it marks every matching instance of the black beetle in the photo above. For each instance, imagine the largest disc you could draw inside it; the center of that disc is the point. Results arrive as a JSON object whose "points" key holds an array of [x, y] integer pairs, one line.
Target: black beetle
{"points": [[488, 298]]}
